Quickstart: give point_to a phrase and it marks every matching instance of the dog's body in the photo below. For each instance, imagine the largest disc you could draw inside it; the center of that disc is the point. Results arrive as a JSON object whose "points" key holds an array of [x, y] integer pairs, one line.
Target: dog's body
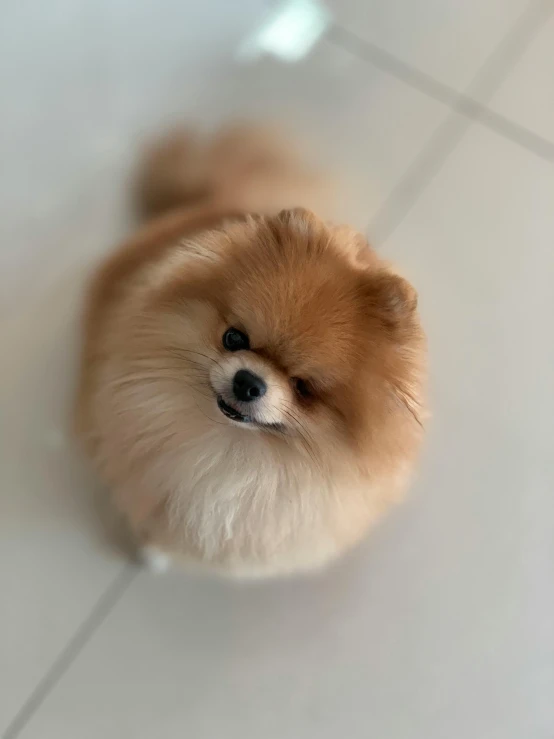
{"points": [[251, 386]]}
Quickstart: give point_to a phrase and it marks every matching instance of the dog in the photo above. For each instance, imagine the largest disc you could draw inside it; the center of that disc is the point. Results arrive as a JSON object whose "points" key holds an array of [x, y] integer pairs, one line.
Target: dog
{"points": [[252, 383]]}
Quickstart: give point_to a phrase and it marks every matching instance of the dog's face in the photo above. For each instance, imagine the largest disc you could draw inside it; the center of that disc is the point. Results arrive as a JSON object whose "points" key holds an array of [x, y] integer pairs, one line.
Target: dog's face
{"points": [[292, 331]]}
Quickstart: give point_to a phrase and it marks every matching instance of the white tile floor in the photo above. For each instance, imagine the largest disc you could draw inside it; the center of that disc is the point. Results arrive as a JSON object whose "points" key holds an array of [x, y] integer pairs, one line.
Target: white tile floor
{"points": [[442, 625]]}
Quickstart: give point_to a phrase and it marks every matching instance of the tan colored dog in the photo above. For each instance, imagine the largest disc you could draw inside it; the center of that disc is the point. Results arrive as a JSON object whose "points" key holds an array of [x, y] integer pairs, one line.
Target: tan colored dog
{"points": [[252, 377]]}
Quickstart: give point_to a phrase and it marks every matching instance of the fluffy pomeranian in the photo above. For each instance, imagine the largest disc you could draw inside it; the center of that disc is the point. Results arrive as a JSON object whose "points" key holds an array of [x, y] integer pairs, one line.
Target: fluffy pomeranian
{"points": [[252, 378]]}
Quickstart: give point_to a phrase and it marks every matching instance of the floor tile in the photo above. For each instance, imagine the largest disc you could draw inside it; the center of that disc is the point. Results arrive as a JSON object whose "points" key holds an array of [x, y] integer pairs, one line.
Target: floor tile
{"points": [[69, 138], [72, 126], [79, 82], [447, 40], [54, 559], [441, 624], [478, 244], [527, 95]]}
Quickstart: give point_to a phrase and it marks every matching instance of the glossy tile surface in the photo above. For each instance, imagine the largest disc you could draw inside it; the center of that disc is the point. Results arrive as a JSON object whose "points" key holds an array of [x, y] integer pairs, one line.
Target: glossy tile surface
{"points": [[441, 625]]}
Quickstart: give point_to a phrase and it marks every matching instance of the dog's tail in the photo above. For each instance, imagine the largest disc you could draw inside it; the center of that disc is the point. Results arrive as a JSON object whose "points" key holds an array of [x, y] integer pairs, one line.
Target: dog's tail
{"points": [[245, 167], [168, 176]]}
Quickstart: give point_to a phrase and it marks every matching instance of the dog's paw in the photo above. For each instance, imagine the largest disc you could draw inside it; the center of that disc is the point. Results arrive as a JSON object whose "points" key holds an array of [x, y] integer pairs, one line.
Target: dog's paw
{"points": [[154, 560]]}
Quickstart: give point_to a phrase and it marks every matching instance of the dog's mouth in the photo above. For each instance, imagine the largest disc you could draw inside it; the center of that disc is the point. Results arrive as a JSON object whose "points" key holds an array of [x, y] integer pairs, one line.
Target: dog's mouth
{"points": [[231, 412], [239, 417]]}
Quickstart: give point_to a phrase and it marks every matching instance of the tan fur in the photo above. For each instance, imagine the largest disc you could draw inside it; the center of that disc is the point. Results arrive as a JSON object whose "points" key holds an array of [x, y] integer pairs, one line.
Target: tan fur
{"points": [[316, 303]]}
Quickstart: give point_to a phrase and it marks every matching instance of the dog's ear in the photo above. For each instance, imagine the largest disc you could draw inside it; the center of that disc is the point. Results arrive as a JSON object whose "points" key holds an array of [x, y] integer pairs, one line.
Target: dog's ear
{"points": [[354, 246], [389, 297], [300, 220], [302, 228]]}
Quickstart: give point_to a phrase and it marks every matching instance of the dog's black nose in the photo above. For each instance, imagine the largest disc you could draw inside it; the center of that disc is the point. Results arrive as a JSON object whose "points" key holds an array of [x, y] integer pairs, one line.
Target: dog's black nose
{"points": [[247, 386]]}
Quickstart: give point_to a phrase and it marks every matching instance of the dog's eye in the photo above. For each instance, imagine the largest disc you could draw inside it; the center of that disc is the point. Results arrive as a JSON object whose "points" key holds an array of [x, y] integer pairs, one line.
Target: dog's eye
{"points": [[234, 340], [302, 388]]}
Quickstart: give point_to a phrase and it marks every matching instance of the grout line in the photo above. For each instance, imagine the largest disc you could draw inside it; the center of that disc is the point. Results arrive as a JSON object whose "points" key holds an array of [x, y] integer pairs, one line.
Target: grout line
{"points": [[510, 49], [387, 62], [72, 649], [420, 173], [461, 102], [464, 110], [511, 130]]}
